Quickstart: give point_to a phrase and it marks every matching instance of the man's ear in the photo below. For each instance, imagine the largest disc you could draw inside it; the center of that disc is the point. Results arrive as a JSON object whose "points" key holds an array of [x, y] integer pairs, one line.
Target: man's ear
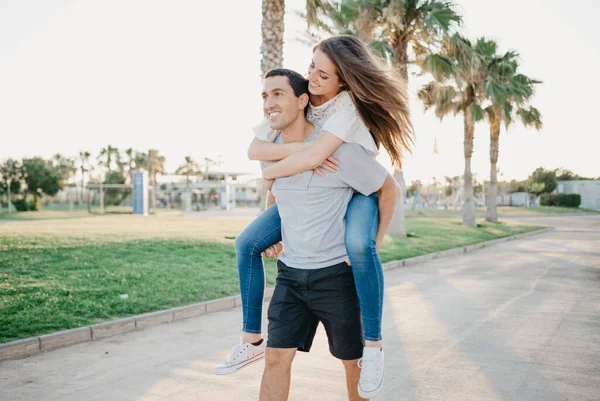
{"points": [[303, 101]]}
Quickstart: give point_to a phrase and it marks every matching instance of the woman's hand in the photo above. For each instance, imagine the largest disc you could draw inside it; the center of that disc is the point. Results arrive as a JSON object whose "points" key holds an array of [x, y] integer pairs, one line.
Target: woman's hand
{"points": [[274, 250], [330, 164], [268, 184]]}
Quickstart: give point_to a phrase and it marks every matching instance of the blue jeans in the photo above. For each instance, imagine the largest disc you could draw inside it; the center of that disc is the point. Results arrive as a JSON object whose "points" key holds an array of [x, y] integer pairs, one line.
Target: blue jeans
{"points": [[362, 220]]}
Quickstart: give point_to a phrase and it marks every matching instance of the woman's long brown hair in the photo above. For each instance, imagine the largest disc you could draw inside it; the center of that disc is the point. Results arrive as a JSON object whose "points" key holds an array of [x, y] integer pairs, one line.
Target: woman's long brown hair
{"points": [[378, 93]]}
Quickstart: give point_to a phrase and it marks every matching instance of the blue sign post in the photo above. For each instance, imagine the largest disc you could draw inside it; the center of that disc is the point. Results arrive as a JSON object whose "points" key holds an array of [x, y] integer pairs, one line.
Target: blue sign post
{"points": [[140, 193]]}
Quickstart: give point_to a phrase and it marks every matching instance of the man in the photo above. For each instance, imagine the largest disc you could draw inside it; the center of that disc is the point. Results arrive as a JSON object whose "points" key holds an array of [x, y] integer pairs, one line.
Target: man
{"points": [[314, 282]]}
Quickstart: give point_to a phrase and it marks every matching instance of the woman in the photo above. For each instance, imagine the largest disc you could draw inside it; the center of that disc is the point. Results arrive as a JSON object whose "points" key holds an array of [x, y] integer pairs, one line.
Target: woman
{"points": [[355, 99]]}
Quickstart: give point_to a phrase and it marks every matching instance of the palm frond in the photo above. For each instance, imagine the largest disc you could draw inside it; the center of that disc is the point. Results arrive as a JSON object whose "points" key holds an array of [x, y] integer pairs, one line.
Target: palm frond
{"points": [[531, 117], [439, 66], [478, 112], [384, 49], [440, 16]]}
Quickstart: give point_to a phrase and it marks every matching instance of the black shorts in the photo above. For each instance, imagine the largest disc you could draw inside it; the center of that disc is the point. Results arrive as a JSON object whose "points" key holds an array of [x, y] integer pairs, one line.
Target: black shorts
{"points": [[303, 298]]}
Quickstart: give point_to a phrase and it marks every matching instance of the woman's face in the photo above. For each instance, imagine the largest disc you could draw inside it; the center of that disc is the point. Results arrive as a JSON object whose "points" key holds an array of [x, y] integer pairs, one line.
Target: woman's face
{"points": [[322, 76]]}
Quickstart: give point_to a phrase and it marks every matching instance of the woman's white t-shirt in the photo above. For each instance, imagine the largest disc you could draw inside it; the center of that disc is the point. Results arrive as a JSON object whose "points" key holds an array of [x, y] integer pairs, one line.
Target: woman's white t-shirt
{"points": [[337, 116]]}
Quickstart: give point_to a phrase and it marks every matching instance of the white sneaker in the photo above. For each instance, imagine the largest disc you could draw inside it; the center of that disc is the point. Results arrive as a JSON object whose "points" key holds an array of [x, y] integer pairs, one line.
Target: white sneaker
{"points": [[371, 373], [243, 354]]}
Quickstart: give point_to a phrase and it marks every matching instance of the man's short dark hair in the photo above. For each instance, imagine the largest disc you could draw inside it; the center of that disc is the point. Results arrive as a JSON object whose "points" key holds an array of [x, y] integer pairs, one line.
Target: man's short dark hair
{"points": [[298, 83]]}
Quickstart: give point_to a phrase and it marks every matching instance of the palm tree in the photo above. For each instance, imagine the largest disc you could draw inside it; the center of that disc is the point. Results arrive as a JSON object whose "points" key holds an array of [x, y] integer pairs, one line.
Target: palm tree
{"points": [[459, 74], [84, 167], [130, 163], [140, 160], [109, 158], [506, 90], [189, 168], [391, 27], [11, 173], [65, 167], [155, 164], [272, 28]]}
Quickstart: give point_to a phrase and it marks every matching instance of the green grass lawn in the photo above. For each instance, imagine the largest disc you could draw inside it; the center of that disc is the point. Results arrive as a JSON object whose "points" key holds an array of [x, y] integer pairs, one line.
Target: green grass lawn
{"points": [[60, 274], [62, 212], [503, 211]]}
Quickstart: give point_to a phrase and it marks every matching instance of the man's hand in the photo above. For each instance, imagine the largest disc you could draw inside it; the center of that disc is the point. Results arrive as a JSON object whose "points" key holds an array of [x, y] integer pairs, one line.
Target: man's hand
{"points": [[379, 241], [274, 250], [330, 164]]}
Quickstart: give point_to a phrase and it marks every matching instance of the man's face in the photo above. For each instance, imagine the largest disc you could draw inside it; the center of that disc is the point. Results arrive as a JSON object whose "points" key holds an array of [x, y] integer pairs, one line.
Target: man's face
{"points": [[280, 104]]}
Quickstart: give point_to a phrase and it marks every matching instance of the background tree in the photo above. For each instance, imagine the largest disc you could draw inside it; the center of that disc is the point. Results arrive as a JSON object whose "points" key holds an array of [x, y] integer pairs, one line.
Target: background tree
{"points": [[542, 181], [140, 160], [272, 28], [400, 30], [459, 74], [155, 164], [66, 168], [563, 174], [506, 90], [109, 158], [42, 178], [11, 175], [130, 162], [189, 169], [84, 168]]}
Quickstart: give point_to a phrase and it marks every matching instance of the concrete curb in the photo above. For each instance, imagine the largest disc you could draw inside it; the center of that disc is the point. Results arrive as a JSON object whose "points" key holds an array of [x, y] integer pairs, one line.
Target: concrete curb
{"points": [[394, 264], [35, 345]]}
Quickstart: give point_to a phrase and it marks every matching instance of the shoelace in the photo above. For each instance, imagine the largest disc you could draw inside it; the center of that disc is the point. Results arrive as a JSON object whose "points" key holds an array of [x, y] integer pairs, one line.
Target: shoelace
{"points": [[370, 371], [237, 350]]}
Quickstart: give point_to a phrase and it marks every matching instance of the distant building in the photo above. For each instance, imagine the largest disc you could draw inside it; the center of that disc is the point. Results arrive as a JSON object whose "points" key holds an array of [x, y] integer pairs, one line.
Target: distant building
{"points": [[588, 189], [513, 199]]}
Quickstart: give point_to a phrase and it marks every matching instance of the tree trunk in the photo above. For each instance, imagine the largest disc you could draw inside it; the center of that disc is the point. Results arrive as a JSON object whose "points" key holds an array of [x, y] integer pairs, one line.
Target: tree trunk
{"points": [[81, 189], [491, 213], [37, 201], [272, 28], [398, 224], [9, 196], [469, 219]]}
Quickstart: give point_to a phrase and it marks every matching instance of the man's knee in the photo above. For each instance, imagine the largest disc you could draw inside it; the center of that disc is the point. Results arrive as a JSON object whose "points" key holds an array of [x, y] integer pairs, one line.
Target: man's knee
{"points": [[279, 358]]}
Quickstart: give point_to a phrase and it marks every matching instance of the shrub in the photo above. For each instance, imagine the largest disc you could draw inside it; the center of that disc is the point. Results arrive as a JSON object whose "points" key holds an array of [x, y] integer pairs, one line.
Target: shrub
{"points": [[566, 200], [21, 204]]}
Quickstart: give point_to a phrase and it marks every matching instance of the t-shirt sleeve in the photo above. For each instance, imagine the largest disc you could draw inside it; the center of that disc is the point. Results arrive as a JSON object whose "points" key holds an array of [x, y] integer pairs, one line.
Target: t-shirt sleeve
{"points": [[358, 169], [346, 124], [264, 132]]}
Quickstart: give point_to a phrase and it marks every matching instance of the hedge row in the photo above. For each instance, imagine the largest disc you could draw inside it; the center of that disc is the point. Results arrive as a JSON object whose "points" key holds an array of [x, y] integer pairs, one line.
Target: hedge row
{"points": [[566, 200]]}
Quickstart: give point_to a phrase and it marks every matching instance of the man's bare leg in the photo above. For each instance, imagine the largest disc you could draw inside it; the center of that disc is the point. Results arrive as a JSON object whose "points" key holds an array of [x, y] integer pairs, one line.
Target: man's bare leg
{"points": [[275, 385], [352, 376]]}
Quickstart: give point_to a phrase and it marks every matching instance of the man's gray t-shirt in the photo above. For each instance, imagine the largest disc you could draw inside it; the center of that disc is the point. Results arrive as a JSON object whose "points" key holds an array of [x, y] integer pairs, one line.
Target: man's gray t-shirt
{"points": [[313, 208]]}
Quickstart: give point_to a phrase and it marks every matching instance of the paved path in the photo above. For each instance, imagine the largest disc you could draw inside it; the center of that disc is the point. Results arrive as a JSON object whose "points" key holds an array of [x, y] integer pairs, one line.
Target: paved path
{"points": [[517, 321]]}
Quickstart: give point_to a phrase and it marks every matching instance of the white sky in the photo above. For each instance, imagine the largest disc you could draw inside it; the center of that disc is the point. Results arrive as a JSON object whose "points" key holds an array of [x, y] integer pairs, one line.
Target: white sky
{"points": [[183, 76]]}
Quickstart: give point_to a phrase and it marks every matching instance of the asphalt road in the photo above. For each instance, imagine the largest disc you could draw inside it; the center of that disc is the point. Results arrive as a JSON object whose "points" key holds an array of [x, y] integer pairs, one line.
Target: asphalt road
{"points": [[516, 321]]}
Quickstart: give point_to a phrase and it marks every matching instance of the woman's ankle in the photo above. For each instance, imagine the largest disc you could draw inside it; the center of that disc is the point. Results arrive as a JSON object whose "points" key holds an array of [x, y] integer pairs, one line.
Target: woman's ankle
{"points": [[251, 337], [374, 344]]}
